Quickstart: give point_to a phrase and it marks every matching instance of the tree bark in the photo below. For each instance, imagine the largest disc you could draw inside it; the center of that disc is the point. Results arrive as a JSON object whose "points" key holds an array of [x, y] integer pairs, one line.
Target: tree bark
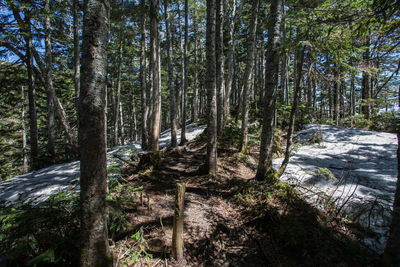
{"points": [[231, 54], [391, 255], [24, 152], [195, 102], [271, 82], [251, 43], [177, 233], [211, 163], [171, 89], [185, 74], [143, 85], [49, 85], [365, 84], [118, 94], [293, 112], [76, 59], [33, 130], [155, 68], [219, 44], [92, 139]]}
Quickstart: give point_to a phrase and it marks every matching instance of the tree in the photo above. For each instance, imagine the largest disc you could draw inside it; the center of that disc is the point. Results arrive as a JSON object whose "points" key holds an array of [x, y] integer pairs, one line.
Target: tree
{"points": [[220, 70], [391, 255], [143, 84], [185, 74], [247, 74], [170, 75], [92, 139], [211, 164], [271, 81], [49, 84], [155, 69]]}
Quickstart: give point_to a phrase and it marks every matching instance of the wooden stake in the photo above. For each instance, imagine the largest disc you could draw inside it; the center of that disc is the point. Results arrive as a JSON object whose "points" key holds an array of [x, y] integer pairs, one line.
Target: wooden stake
{"points": [[177, 234]]}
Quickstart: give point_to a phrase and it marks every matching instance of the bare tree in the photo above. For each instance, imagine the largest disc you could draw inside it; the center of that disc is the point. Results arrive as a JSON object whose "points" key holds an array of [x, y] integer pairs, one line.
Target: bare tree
{"points": [[92, 139]]}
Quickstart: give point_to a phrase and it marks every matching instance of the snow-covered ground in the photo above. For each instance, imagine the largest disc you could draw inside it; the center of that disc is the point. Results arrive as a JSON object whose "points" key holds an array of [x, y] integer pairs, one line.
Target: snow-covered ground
{"points": [[39, 185], [355, 169]]}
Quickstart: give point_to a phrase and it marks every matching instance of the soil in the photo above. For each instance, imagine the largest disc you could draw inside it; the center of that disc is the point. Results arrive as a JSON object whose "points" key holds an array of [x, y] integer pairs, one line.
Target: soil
{"points": [[219, 228]]}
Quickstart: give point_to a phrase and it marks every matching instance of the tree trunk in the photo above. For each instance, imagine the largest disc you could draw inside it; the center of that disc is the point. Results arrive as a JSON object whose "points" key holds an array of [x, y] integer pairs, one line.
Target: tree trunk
{"points": [[33, 130], [172, 96], [49, 81], [143, 85], [219, 44], [231, 54], [178, 222], [92, 140], [271, 82], [251, 43], [284, 63], [336, 93], [76, 59], [155, 69], [211, 163], [24, 153], [391, 255], [365, 86], [195, 102], [293, 112], [121, 119], [185, 77], [118, 94]]}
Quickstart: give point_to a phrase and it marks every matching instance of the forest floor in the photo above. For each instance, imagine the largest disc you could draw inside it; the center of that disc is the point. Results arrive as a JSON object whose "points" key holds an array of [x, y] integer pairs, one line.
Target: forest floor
{"points": [[230, 219]]}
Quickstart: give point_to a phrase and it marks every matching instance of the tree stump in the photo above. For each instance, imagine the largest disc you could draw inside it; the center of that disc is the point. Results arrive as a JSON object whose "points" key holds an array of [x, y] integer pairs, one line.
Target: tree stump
{"points": [[177, 233]]}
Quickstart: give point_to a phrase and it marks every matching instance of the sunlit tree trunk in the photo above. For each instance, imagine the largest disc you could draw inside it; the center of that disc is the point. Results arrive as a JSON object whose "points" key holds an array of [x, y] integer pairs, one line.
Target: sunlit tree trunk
{"points": [[155, 69], [271, 82], [92, 140]]}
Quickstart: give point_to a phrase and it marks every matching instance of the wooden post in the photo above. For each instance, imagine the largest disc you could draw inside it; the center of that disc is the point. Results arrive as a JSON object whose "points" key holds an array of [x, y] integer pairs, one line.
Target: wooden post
{"points": [[177, 234]]}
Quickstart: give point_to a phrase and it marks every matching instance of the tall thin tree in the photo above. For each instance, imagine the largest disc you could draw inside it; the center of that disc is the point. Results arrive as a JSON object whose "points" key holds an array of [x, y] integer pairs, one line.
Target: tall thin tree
{"points": [[185, 74], [271, 82], [211, 164], [49, 81], [155, 69], [170, 75], [251, 45], [92, 140]]}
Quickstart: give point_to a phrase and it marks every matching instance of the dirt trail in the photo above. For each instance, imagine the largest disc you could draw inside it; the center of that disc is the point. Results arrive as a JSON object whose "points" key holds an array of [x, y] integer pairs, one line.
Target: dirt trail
{"points": [[214, 234]]}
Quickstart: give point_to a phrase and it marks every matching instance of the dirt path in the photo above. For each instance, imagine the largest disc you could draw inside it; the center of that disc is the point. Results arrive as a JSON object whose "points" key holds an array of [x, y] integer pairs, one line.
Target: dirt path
{"points": [[214, 233]]}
